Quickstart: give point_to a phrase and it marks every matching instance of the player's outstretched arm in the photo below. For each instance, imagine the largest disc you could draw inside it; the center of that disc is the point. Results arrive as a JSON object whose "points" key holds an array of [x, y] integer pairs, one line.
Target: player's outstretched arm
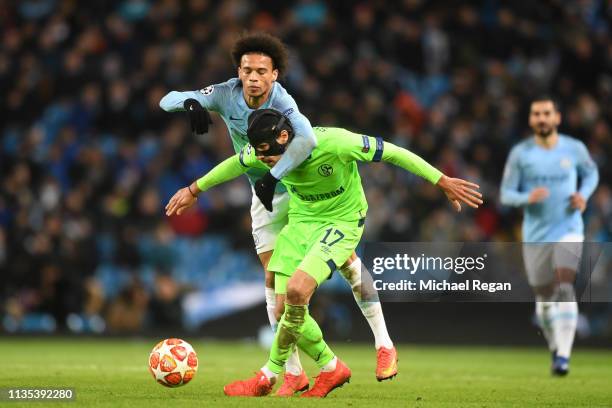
{"points": [[174, 101], [197, 104], [194, 103], [350, 146], [456, 190], [184, 198]]}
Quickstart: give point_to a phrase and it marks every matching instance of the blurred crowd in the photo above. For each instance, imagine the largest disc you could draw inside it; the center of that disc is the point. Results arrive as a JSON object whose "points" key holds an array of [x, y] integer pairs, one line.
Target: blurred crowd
{"points": [[88, 159]]}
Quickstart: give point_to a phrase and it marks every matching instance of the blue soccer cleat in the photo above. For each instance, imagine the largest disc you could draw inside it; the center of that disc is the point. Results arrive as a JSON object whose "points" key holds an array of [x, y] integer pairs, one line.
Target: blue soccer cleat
{"points": [[560, 366]]}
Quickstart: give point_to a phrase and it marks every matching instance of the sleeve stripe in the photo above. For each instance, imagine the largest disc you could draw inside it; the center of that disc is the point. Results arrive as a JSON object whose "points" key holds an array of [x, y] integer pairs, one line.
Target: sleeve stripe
{"points": [[241, 157], [379, 150], [366, 144]]}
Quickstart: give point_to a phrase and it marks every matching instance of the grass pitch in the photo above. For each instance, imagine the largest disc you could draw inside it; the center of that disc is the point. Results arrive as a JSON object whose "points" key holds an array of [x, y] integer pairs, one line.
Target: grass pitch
{"points": [[113, 373]]}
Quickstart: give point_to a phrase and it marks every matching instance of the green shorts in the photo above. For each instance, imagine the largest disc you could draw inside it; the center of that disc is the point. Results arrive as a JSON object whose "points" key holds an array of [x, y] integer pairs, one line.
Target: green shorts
{"points": [[317, 248]]}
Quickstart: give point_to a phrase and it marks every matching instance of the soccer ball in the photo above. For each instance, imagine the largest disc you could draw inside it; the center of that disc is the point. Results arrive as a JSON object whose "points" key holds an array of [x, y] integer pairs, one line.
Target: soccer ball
{"points": [[173, 362]]}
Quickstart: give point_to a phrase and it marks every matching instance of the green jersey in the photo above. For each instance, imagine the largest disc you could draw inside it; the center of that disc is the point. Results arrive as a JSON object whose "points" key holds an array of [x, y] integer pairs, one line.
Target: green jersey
{"points": [[327, 184]]}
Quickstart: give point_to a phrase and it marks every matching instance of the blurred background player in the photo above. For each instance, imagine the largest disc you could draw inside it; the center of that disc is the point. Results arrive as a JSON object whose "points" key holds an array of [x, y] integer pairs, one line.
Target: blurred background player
{"points": [[326, 220], [261, 59], [551, 176]]}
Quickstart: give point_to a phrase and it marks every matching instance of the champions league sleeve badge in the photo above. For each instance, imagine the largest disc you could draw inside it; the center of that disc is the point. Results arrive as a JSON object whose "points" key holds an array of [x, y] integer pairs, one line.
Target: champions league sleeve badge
{"points": [[208, 90]]}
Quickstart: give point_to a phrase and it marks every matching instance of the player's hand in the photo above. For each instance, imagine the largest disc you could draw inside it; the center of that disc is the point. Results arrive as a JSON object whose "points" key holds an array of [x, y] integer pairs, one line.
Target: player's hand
{"points": [[537, 195], [460, 191], [180, 201], [578, 202], [198, 116], [264, 189]]}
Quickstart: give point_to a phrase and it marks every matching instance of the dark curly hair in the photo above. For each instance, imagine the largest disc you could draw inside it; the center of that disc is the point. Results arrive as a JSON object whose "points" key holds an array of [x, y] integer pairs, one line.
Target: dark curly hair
{"points": [[261, 43]]}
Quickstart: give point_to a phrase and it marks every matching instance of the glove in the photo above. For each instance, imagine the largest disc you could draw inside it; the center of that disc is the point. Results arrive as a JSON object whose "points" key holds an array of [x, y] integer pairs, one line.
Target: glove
{"points": [[264, 189], [198, 116]]}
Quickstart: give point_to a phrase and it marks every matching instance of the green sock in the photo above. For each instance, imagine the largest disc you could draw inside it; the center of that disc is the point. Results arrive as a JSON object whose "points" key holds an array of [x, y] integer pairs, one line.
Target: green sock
{"points": [[288, 332], [311, 342], [298, 327]]}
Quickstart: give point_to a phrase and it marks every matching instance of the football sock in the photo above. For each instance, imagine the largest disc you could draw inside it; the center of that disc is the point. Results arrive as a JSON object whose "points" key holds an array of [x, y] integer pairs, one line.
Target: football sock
{"points": [[293, 366], [287, 334], [331, 366], [298, 327], [272, 376], [546, 313], [372, 311], [564, 325], [312, 342], [374, 315], [270, 307]]}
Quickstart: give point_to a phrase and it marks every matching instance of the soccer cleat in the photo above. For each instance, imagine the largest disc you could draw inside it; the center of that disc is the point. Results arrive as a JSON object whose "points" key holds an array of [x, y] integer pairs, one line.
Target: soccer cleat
{"points": [[560, 366], [386, 363], [326, 382], [292, 384], [257, 386]]}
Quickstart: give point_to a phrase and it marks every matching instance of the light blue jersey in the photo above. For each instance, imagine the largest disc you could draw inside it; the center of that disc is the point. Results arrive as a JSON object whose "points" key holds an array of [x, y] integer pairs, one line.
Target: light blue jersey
{"points": [[228, 101], [561, 170]]}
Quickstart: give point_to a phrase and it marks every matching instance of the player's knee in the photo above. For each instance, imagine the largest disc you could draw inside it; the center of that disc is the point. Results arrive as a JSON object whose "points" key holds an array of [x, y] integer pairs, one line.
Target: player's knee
{"points": [[296, 295], [350, 276], [565, 275], [351, 271], [350, 260]]}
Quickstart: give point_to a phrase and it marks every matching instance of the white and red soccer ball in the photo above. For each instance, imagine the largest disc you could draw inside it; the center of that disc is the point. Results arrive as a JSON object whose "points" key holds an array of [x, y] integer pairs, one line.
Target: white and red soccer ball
{"points": [[173, 362]]}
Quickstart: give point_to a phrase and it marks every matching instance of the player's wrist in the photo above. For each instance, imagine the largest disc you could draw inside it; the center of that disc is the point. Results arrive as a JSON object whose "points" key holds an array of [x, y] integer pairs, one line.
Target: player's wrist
{"points": [[269, 178], [191, 103], [442, 181], [194, 190]]}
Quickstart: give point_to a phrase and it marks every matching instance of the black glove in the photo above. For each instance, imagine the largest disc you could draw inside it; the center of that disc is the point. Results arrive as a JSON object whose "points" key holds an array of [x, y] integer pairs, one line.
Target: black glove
{"points": [[264, 189], [198, 116]]}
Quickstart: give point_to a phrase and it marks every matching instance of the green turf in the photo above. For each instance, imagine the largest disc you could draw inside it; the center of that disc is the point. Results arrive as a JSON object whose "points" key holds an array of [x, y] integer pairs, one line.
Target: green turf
{"points": [[114, 373]]}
